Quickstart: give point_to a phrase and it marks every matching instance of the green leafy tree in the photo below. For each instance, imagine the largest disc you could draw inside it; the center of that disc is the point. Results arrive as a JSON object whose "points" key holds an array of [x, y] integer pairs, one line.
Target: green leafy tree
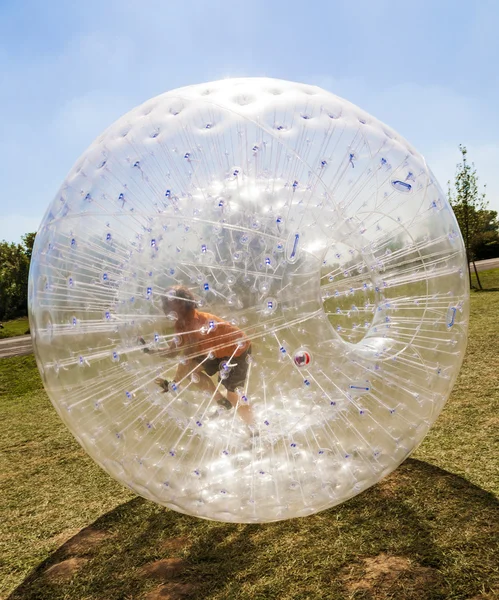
{"points": [[487, 245], [14, 270], [28, 241], [469, 206]]}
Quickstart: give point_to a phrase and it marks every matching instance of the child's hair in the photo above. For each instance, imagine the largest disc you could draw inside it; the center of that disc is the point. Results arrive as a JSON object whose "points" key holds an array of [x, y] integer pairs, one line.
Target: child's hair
{"points": [[179, 292]]}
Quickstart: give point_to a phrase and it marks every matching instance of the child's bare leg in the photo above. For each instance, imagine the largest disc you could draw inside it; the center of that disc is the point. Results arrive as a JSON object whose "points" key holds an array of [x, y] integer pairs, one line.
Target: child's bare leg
{"points": [[206, 384], [243, 410]]}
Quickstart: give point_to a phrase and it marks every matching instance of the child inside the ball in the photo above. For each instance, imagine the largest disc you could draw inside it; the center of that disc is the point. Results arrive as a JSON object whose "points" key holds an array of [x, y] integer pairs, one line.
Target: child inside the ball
{"points": [[209, 345]]}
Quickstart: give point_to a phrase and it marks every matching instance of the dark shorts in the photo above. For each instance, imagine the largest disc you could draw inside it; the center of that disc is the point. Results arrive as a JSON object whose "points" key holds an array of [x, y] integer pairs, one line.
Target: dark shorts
{"points": [[235, 376]]}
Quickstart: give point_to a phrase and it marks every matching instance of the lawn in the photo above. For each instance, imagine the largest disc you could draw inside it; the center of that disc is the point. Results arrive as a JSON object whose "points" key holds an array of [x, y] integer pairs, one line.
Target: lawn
{"points": [[14, 327], [430, 530], [489, 279]]}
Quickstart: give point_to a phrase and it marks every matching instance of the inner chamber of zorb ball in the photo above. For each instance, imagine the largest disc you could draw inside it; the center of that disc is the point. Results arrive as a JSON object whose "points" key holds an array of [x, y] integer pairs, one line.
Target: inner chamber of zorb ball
{"points": [[294, 216]]}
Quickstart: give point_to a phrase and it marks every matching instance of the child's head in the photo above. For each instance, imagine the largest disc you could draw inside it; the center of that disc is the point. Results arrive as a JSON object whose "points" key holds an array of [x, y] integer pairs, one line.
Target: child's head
{"points": [[179, 300]]}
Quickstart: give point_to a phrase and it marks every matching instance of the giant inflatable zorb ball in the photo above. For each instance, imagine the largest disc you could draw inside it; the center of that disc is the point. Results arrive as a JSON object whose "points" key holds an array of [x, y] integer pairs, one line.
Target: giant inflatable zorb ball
{"points": [[292, 216]]}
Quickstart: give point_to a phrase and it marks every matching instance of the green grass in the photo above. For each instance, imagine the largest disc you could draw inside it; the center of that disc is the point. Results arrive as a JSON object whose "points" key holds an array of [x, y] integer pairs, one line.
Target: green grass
{"points": [[430, 530], [14, 327], [489, 279]]}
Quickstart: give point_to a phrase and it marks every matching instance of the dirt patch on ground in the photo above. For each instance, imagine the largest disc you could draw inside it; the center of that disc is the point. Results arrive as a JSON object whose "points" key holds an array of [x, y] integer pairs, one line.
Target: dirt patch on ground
{"points": [[57, 540], [65, 569], [85, 541], [174, 544], [166, 568], [385, 576], [172, 591]]}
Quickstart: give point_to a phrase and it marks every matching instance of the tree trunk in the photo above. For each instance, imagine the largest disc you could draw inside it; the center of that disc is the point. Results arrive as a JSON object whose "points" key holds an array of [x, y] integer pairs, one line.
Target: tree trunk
{"points": [[477, 278], [469, 275], [468, 262]]}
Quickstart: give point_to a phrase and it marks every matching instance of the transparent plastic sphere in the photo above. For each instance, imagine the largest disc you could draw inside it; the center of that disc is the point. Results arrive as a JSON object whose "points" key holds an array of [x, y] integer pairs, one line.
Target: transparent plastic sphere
{"points": [[292, 218]]}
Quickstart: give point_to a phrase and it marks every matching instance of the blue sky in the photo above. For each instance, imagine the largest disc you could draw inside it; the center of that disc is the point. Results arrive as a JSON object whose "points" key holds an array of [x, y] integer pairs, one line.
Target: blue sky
{"points": [[69, 69]]}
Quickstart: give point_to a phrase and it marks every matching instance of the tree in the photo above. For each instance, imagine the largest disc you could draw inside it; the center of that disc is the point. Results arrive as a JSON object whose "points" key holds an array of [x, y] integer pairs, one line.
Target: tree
{"points": [[14, 269], [487, 246], [28, 241], [469, 206]]}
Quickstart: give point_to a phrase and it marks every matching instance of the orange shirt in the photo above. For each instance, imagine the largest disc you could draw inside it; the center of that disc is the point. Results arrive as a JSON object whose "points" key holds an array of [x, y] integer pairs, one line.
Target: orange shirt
{"points": [[206, 333]]}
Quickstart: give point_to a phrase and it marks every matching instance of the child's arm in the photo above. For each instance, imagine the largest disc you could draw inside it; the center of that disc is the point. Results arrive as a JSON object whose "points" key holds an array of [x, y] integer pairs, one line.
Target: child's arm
{"points": [[171, 350]]}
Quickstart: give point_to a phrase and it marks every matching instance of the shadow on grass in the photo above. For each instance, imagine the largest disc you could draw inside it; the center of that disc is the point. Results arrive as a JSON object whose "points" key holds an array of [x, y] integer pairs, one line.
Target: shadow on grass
{"points": [[421, 533]]}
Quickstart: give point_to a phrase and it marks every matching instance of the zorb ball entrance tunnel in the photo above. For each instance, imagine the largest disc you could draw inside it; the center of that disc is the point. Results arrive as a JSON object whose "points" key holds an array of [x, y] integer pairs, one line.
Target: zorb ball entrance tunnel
{"points": [[306, 231]]}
